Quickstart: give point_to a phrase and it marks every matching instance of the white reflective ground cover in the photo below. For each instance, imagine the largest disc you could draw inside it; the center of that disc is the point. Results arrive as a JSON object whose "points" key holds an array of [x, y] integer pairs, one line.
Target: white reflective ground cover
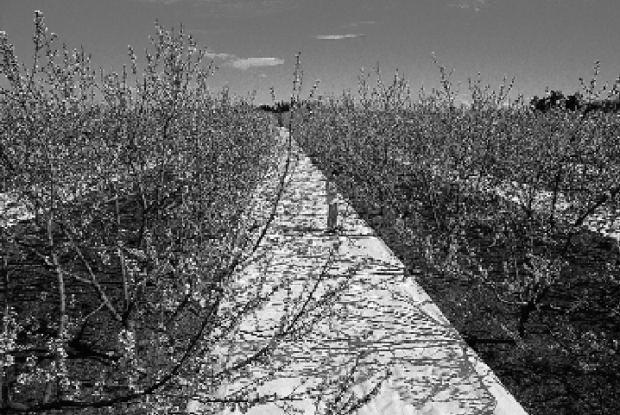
{"points": [[383, 316]]}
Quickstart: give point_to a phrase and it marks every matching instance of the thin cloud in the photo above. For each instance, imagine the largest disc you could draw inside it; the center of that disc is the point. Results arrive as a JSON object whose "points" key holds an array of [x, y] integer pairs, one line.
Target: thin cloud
{"points": [[475, 5], [218, 55], [243, 63], [337, 37], [247, 63], [356, 24]]}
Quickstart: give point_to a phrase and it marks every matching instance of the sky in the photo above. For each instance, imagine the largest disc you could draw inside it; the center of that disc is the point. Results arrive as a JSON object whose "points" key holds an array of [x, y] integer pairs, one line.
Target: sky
{"points": [[541, 43]]}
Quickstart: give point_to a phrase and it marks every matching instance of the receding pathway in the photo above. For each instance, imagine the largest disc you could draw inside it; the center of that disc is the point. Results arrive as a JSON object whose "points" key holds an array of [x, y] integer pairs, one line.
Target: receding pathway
{"points": [[383, 319]]}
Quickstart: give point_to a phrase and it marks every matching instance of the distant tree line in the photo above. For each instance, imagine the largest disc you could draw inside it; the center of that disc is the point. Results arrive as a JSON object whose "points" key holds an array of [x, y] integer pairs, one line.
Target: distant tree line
{"points": [[279, 108], [556, 100]]}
